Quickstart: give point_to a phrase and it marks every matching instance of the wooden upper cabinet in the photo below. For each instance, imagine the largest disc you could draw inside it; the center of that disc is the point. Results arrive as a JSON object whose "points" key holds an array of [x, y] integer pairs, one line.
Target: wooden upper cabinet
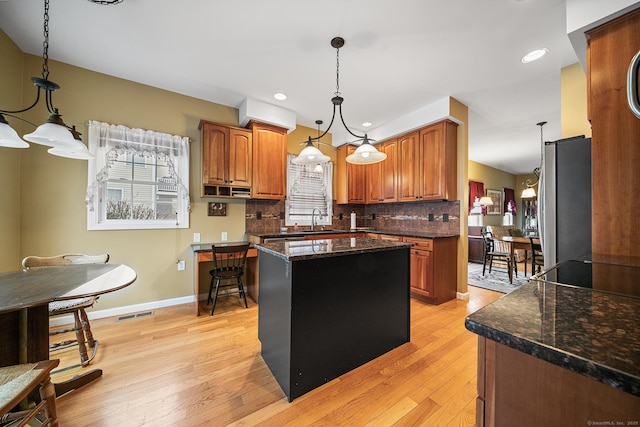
{"points": [[438, 148], [269, 161], [226, 155], [427, 163], [350, 179], [408, 167], [382, 177]]}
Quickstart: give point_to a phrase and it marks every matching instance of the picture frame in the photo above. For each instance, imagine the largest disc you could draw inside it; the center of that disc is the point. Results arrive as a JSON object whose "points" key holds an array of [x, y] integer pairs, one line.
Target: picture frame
{"points": [[496, 198], [217, 209]]}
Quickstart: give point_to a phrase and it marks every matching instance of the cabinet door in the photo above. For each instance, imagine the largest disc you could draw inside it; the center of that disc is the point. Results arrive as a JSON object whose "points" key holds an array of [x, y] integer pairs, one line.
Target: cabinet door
{"points": [[269, 161], [355, 180], [373, 174], [408, 153], [421, 278], [438, 162], [389, 187], [240, 157], [214, 153]]}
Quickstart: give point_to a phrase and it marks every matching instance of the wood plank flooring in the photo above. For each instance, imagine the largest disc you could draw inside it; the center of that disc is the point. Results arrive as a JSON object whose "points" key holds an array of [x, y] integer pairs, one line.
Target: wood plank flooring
{"points": [[175, 369]]}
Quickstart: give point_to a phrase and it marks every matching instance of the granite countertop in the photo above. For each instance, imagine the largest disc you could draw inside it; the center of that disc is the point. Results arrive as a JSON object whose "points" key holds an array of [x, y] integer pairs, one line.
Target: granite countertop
{"points": [[419, 234], [587, 331], [322, 248]]}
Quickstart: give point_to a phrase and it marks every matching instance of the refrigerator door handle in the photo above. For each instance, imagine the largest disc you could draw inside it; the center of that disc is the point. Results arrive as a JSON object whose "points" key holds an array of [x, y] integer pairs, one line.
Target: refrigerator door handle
{"points": [[632, 85]]}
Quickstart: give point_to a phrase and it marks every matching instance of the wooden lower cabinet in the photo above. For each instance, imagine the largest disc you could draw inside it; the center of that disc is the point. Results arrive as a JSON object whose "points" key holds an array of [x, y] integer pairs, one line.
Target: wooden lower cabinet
{"points": [[517, 389], [434, 271]]}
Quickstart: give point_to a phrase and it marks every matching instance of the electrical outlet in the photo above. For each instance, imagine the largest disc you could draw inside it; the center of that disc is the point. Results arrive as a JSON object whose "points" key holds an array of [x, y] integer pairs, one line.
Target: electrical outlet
{"points": [[430, 217], [445, 217], [196, 237], [181, 265], [223, 236]]}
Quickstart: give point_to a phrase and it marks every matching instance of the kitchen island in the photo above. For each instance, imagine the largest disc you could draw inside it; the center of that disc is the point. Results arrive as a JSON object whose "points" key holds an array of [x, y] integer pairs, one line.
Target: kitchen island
{"points": [[329, 306], [563, 349]]}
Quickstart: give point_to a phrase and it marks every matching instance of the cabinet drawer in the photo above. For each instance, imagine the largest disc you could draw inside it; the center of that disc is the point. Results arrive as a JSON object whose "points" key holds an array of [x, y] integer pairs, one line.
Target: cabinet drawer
{"points": [[420, 244]]}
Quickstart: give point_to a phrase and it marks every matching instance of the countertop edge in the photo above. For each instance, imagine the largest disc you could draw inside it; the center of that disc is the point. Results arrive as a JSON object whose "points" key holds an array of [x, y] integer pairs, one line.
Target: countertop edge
{"points": [[598, 372], [355, 251]]}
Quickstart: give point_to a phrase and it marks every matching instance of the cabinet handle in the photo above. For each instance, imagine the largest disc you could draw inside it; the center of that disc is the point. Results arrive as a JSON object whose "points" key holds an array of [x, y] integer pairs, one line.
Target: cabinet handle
{"points": [[632, 85]]}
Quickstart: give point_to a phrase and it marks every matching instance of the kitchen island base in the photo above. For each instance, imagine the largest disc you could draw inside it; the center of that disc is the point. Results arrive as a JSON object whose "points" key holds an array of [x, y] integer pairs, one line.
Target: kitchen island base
{"points": [[515, 388], [322, 317]]}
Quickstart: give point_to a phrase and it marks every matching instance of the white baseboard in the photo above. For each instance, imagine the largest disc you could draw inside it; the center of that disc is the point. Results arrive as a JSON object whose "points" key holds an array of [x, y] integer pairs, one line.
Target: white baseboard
{"points": [[464, 296], [119, 311]]}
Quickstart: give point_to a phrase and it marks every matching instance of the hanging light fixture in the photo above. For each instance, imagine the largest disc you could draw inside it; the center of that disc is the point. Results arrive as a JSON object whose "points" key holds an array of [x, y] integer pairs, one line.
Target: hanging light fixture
{"points": [[53, 132], [529, 192], [365, 153], [311, 154]]}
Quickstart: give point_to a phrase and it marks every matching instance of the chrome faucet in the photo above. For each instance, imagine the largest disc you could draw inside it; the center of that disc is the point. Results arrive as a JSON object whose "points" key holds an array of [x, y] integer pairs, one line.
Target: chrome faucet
{"points": [[313, 218]]}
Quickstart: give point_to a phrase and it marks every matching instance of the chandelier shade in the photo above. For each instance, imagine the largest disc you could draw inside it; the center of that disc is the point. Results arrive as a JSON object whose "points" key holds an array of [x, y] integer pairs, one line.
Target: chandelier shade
{"points": [[54, 132], [310, 155], [9, 137], [365, 154]]}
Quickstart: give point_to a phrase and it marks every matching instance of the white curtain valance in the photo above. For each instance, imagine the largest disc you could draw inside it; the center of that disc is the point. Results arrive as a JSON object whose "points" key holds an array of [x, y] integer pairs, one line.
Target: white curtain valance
{"points": [[107, 142]]}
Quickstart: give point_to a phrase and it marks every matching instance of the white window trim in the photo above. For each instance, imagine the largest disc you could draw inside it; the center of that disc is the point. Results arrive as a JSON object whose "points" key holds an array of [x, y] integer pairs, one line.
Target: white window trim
{"points": [[293, 172], [105, 140]]}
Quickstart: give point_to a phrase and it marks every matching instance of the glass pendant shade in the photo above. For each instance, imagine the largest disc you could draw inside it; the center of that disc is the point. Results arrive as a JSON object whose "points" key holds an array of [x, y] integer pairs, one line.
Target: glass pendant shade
{"points": [[528, 193], [52, 135], [77, 151], [310, 155], [365, 154], [9, 137]]}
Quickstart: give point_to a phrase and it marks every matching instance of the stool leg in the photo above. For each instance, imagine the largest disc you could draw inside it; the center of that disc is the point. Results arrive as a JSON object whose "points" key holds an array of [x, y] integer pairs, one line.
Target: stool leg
{"points": [[82, 347], [215, 297], [242, 293], [86, 327], [48, 393]]}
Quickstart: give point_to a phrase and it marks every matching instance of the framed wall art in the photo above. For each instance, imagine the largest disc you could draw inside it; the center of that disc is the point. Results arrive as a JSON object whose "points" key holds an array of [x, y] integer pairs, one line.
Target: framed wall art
{"points": [[496, 198], [217, 209]]}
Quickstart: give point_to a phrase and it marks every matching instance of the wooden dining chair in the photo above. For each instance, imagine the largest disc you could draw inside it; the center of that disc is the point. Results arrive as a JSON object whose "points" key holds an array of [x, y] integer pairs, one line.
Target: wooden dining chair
{"points": [[491, 253], [76, 307], [537, 258], [228, 264], [24, 383]]}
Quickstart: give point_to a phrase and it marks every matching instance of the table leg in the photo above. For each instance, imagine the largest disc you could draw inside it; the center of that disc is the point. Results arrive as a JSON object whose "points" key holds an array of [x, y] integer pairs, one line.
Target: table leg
{"points": [[513, 258]]}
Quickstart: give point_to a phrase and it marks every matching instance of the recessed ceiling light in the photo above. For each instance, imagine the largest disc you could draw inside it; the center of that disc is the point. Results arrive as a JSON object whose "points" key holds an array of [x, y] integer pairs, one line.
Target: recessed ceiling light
{"points": [[367, 124], [280, 96], [534, 55]]}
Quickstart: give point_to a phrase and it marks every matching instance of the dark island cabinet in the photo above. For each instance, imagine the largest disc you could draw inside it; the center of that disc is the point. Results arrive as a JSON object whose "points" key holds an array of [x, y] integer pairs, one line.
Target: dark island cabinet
{"points": [[476, 244]]}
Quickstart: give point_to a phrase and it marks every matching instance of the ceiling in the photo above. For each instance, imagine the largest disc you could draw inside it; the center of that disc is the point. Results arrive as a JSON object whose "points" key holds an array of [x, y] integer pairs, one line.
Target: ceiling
{"points": [[398, 58]]}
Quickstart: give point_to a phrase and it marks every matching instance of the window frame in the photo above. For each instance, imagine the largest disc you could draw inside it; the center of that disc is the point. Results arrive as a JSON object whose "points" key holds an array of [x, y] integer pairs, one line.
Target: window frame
{"points": [[293, 173]]}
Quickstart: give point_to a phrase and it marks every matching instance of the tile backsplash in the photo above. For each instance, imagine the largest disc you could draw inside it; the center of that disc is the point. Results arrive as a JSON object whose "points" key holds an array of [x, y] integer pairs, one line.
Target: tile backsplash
{"points": [[263, 216]]}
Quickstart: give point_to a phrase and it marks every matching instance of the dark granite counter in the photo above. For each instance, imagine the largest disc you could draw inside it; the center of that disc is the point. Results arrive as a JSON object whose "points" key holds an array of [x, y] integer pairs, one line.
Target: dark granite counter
{"points": [[424, 235], [322, 248], [589, 330]]}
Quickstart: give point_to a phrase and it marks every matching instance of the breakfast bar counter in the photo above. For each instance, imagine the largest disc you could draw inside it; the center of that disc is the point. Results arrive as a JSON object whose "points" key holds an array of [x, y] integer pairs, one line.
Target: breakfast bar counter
{"points": [[329, 306], [562, 349]]}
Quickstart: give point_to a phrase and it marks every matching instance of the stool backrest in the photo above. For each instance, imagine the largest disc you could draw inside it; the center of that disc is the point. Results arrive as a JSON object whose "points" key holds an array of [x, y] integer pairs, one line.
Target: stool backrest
{"points": [[229, 257]]}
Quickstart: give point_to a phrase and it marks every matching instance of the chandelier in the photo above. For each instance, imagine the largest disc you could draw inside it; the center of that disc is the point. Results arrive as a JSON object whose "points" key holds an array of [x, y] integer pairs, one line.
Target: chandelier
{"points": [[365, 153], [64, 140], [529, 192]]}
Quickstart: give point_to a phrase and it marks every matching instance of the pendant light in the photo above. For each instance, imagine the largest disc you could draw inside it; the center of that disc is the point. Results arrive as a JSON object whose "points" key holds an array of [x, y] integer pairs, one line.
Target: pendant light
{"points": [[53, 132], [311, 154], [529, 192], [365, 153]]}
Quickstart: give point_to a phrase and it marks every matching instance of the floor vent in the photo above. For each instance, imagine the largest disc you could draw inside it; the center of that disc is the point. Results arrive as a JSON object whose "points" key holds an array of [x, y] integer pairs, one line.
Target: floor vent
{"points": [[134, 316]]}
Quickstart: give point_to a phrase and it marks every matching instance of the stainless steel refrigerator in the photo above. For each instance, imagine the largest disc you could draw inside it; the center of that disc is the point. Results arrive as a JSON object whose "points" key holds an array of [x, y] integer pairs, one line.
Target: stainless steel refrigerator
{"points": [[564, 200]]}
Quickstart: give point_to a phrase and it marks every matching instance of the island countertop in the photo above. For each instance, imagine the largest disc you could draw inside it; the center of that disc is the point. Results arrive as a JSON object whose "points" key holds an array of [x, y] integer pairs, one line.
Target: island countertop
{"points": [[320, 248], [590, 331]]}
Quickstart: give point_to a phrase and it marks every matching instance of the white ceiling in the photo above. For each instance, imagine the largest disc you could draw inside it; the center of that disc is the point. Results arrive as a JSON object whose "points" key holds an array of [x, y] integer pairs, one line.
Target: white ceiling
{"points": [[399, 56]]}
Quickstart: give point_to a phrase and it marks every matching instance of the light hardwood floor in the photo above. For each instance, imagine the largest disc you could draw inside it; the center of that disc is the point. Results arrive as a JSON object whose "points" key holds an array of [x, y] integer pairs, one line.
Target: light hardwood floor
{"points": [[175, 369]]}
